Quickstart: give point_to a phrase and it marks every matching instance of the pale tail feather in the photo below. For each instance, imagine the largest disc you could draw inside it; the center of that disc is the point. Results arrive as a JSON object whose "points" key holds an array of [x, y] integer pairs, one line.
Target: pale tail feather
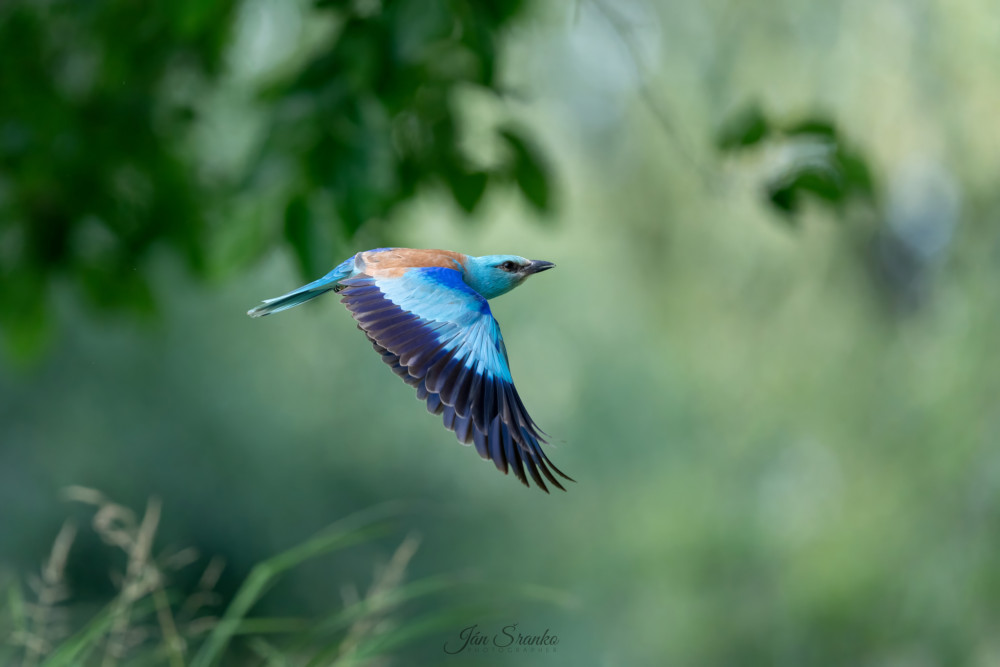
{"points": [[304, 293]]}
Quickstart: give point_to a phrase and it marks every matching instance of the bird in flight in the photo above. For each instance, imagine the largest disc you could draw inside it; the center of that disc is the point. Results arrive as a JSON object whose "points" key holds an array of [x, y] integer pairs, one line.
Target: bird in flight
{"points": [[426, 313]]}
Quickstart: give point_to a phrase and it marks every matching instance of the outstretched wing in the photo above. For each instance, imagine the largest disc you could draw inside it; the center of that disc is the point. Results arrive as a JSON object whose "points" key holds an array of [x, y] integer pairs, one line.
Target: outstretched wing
{"points": [[439, 335]]}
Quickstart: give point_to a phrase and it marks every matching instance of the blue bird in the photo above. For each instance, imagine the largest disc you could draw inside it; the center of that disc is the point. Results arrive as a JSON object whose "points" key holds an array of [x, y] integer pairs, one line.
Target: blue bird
{"points": [[426, 313]]}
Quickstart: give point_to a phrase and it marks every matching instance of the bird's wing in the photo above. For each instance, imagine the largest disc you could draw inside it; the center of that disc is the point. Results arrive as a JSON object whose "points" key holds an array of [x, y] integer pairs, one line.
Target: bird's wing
{"points": [[439, 335]]}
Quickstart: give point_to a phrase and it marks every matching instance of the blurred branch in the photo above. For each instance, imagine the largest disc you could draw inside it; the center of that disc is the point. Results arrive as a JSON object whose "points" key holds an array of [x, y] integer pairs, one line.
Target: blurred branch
{"points": [[625, 31]]}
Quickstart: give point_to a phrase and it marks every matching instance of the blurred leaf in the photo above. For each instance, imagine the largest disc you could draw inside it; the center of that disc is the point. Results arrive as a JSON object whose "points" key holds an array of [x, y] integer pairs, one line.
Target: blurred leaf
{"points": [[813, 126], [467, 188], [298, 233], [529, 169], [823, 182], [24, 319], [785, 198], [786, 193], [821, 165], [856, 174], [90, 161], [745, 128]]}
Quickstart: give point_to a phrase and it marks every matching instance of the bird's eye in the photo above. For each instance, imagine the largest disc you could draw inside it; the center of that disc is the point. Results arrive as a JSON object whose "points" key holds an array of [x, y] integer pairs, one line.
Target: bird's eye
{"points": [[509, 266]]}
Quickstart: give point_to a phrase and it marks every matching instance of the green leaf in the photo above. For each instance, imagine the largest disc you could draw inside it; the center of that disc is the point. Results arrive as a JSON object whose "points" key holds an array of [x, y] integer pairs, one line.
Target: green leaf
{"points": [[529, 169], [298, 233], [745, 128], [856, 174], [818, 127], [823, 181], [24, 319], [784, 198], [467, 188]]}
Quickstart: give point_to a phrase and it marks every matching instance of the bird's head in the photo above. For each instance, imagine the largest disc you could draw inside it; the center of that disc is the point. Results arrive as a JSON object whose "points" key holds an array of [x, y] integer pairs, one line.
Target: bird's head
{"points": [[493, 275]]}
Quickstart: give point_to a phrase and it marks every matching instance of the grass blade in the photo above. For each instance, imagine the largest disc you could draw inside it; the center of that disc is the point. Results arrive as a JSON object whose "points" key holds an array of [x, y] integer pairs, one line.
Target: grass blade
{"points": [[74, 650], [355, 529]]}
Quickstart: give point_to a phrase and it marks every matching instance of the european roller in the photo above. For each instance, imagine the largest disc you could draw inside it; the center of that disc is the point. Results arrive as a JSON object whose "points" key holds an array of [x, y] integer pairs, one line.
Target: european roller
{"points": [[427, 313]]}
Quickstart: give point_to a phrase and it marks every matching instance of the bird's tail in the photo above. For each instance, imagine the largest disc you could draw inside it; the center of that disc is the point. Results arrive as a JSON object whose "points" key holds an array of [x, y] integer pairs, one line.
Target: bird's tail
{"points": [[304, 293]]}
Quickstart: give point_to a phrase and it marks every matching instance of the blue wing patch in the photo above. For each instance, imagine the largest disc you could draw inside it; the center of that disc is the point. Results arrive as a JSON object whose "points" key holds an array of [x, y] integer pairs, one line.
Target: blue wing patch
{"points": [[439, 336]]}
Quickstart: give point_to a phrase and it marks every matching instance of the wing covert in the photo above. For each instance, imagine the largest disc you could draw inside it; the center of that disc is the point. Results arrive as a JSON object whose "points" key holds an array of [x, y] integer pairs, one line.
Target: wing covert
{"points": [[439, 336]]}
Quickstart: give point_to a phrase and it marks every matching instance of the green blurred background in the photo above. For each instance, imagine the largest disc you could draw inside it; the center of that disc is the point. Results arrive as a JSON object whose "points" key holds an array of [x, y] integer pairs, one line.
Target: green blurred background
{"points": [[769, 354]]}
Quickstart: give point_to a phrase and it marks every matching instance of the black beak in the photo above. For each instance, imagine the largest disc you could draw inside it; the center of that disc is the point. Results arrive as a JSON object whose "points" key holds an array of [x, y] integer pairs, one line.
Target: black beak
{"points": [[537, 266]]}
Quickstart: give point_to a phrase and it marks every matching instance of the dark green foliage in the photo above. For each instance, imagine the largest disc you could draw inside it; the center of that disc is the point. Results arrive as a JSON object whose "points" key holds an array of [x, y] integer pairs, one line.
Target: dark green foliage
{"points": [[529, 170], [822, 166], [467, 187], [745, 128], [301, 233], [91, 178], [822, 180], [371, 118], [98, 101], [816, 127], [817, 164]]}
